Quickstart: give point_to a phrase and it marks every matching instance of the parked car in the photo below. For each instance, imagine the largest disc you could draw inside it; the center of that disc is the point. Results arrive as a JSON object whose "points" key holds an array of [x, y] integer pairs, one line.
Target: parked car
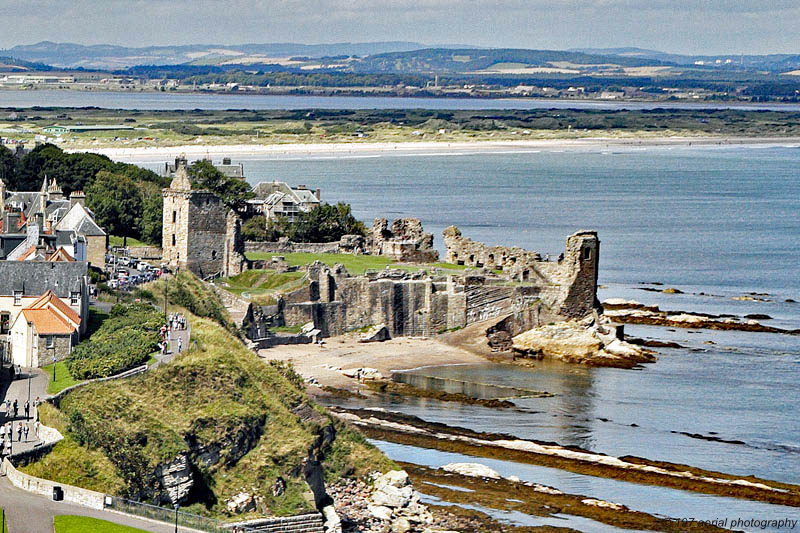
{"points": [[143, 266]]}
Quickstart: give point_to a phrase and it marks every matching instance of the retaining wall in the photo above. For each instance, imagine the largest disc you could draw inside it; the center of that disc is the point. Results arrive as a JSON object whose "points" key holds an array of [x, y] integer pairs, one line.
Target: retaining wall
{"points": [[87, 498], [292, 247]]}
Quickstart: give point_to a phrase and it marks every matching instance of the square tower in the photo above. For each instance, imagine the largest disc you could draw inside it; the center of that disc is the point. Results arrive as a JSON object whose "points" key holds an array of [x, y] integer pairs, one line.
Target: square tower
{"points": [[194, 226]]}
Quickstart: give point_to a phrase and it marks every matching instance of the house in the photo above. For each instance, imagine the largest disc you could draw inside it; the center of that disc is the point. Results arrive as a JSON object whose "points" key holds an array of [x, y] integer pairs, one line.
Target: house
{"points": [[45, 331], [22, 283], [59, 222], [277, 199], [231, 170]]}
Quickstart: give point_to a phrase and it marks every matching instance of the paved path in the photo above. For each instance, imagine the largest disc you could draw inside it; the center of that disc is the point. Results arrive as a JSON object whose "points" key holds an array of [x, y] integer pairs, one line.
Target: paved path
{"points": [[32, 513], [33, 381]]}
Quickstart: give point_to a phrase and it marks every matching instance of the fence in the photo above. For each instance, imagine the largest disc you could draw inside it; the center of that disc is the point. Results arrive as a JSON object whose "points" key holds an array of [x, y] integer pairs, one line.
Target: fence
{"points": [[308, 523]]}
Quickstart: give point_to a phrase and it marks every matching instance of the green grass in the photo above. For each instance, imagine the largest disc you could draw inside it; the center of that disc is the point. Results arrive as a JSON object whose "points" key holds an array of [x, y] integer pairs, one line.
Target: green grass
{"points": [[63, 379], [84, 524], [355, 264], [287, 329], [263, 284], [114, 240]]}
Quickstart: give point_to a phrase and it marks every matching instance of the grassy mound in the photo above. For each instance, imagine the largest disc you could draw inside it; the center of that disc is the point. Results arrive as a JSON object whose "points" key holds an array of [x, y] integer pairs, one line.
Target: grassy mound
{"points": [[218, 404], [260, 285]]}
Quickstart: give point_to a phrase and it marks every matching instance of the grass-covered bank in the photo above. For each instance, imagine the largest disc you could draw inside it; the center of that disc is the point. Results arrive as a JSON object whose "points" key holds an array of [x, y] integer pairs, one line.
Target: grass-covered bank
{"points": [[86, 524], [355, 264], [241, 423]]}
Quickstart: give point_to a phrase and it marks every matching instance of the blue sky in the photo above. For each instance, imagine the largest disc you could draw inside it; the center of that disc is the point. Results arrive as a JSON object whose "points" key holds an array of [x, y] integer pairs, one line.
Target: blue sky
{"points": [[683, 26]]}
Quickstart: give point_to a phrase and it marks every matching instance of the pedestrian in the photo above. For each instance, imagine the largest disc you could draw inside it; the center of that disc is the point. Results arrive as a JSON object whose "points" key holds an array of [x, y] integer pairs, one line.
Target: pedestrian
{"points": [[36, 429], [180, 344], [37, 402], [10, 431], [19, 432], [3, 431], [27, 409], [25, 430], [16, 407]]}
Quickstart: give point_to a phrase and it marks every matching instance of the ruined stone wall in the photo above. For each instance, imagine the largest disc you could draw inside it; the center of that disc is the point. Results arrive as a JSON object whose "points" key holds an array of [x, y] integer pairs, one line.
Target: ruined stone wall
{"points": [[567, 286], [405, 241], [288, 247]]}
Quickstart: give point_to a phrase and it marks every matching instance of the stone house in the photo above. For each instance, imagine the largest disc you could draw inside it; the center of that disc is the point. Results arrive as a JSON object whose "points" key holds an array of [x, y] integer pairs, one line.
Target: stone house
{"points": [[199, 232], [277, 199], [45, 330], [79, 221]]}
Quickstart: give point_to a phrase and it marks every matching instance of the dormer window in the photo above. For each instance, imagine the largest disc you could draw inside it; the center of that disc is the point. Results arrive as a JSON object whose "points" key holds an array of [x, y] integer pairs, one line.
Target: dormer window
{"points": [[74, 298], [17, 297]]}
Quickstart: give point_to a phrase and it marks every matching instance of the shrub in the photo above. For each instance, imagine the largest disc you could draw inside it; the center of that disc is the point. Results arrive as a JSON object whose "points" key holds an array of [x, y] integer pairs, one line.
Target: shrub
{"points": [[125, 340]]}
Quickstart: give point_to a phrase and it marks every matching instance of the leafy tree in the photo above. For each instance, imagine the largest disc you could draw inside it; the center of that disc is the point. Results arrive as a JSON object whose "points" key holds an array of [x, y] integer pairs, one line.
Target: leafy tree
{"points": [[116, 202], [8, 166], [234, 192], [150, 226], [255, 228], [326, 223]]}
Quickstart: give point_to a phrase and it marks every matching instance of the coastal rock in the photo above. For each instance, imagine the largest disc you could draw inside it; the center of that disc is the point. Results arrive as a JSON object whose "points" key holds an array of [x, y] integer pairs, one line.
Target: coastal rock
{"points": [[365, 373], [604, 504], [393, 489], [175, 478], [401, 525], [585, 342], [332, 522], [471, 469], [380, 512], [243, 502], [378, 333]]}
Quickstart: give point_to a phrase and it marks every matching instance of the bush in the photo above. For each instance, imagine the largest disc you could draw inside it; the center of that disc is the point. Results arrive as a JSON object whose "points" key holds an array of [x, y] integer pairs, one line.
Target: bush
{"points": [[125, 340]]}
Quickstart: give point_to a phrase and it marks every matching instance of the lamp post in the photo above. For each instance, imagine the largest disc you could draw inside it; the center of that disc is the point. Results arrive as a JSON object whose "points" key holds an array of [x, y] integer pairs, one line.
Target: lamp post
{"points": [[166, 290], [177, 506], [55, 360], [29, 390]]}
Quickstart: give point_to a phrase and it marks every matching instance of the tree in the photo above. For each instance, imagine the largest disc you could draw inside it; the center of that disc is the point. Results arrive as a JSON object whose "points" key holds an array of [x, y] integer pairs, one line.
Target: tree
{"points": [[326, 223], [255, 228], [117, 204], [8, 166], [234, 192], [151, 222]]}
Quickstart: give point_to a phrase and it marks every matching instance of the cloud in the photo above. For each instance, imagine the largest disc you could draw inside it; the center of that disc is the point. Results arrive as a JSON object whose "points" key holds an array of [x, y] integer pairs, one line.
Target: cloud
{"points": [[698, 26]]}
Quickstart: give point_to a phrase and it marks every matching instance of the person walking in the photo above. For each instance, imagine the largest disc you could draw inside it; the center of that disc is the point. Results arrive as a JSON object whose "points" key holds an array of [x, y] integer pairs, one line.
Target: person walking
{"points": [[3, 432], [16, 407], [10, 431], [180, 344], [25, 430], [36, 429], [19, 432], [27, 409]]}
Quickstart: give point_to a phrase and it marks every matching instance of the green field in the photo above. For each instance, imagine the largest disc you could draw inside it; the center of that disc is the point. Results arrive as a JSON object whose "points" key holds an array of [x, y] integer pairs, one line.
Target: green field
{"points": [[84, 524], [113, 240], [355, 264]]}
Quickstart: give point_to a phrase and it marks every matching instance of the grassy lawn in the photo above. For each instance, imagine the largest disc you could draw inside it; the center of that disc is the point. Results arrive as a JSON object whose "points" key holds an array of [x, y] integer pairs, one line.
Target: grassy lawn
{"points": [[260, 285], [63, 379], [84, 524], [355, 264], [113, 240]]}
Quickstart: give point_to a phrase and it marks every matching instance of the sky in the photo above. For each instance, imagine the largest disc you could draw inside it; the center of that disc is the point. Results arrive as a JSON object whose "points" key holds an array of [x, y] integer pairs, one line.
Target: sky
{"points": [[678, 26]]}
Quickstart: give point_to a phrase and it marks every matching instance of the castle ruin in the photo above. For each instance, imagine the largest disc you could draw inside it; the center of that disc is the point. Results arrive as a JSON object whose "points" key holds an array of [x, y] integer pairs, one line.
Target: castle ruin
{"points": [[200, 233]]}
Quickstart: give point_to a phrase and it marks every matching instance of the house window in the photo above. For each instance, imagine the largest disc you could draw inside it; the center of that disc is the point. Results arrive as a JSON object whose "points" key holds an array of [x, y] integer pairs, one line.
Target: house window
{"points": [[587, 253], [74, 298], [17, 297], [174, 216], [5, 320], [50, 341], [173, 239]]}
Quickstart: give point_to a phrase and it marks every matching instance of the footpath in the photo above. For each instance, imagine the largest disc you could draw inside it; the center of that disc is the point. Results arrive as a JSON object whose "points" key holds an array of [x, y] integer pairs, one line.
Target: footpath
{"points": [[27, 512]]}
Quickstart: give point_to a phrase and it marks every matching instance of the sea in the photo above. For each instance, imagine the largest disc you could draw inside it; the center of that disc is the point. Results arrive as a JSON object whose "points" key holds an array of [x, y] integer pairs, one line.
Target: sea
{"points": [[719, 223]]}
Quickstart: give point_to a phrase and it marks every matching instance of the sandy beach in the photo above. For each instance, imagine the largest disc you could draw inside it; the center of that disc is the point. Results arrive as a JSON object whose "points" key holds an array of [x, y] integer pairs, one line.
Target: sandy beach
{"points": [[160, 153], [346, 352]]}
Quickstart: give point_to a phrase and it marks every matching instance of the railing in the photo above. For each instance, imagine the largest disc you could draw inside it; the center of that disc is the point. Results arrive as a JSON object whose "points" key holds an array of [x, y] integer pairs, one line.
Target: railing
{"points": [[162, 514]]}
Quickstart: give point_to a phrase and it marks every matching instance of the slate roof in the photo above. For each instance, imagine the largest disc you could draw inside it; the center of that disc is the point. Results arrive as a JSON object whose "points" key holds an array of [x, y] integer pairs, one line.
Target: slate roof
{"points": [[35, 278]]}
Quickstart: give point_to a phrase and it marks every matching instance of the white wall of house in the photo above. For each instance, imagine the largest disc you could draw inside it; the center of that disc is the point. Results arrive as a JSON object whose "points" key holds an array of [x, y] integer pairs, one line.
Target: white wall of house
{"points": [[21, 342]]}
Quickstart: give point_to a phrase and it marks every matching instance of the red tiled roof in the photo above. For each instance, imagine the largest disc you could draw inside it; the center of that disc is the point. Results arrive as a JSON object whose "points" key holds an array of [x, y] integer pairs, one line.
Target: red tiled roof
{"points": [[50, 298], [47, 322]]}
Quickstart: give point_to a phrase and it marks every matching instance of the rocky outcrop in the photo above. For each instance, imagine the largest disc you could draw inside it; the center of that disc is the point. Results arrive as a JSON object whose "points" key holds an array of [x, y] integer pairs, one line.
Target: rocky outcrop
{"points": [[175, 478], [378, 333], [590, 342], [395, 503], [633, 312]]}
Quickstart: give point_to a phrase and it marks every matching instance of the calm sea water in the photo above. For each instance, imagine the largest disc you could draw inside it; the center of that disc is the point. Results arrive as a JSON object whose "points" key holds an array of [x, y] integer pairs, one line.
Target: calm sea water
{"points": [[172, 101], [722, 221]]}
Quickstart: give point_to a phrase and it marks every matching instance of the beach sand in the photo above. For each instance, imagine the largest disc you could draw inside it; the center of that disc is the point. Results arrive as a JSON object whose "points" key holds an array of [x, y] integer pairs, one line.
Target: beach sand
{"points": [[163, 153], [345, 352]]}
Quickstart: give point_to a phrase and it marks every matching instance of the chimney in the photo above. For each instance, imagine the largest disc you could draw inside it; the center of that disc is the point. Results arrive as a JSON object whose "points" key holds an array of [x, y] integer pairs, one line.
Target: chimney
{"points": [[77, 197], [226, 160], [301, 187], [318, 195]]}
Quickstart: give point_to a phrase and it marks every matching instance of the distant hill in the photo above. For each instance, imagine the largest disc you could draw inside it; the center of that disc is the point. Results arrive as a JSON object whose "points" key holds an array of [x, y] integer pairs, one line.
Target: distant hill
{"points": [[12, 64], [497, 60], [111, 57], [771, 62]]}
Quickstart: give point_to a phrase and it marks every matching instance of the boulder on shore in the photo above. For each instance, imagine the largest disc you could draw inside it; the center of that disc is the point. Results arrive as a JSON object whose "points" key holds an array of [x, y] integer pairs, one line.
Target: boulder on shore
{"points": [[583, 342]]}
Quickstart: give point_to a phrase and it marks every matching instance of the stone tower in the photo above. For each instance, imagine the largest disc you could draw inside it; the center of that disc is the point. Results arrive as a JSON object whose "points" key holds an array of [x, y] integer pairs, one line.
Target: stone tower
{"points": [[199, 234]]}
